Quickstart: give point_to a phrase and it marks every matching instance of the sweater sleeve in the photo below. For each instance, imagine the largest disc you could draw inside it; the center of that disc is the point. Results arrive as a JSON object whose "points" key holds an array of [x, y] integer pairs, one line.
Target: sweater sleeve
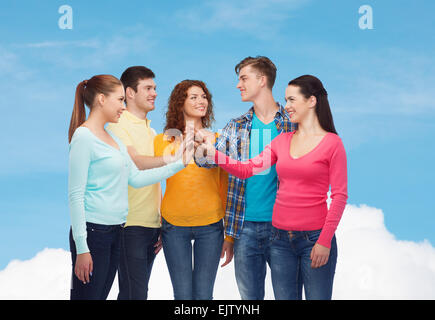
{"points": [[338, 183], [246, 169], [79, 161], [141, 178]]}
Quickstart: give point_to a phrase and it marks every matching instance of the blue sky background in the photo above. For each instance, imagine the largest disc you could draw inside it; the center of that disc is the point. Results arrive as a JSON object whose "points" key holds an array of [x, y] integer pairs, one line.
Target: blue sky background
{"points": [[380, 84]]}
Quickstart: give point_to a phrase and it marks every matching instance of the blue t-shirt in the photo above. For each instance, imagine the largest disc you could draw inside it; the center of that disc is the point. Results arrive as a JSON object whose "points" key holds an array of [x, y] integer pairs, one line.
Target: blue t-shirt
{"points": [[260, 192]]}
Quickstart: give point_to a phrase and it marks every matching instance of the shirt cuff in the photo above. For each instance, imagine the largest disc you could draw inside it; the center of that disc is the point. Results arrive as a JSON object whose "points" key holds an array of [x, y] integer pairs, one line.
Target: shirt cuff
{"points": [[229, 239], [325, 238], [81, 245]]}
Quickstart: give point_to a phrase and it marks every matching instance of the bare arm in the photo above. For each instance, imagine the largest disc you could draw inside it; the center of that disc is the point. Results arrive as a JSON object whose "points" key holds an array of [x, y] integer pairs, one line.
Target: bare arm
{"points": [[145, 162]]}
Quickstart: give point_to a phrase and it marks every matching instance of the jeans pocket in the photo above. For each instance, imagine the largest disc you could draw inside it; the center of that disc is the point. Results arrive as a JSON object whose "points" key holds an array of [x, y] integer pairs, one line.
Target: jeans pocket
{"points": [[312, 236], [166, 226], [99, 228], [274, 234], [218, 225]]}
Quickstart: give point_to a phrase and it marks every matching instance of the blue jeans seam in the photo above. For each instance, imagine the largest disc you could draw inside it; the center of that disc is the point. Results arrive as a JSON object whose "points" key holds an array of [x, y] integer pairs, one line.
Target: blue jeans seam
{"points": [[124, 255]]}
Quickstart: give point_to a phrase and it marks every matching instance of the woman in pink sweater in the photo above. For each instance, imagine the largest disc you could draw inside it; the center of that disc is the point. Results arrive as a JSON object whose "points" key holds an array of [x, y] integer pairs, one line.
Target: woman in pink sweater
{"points": [[308, 161]]}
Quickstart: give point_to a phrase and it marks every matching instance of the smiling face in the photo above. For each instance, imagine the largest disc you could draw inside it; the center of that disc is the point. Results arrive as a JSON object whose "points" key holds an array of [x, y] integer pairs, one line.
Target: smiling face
{"points": [[297, 106], [196, 103], [250, 83], [113, 104], [145, 96]]}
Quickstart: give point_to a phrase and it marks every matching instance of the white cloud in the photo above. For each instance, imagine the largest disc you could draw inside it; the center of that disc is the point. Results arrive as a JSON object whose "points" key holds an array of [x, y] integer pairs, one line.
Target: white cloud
{"points": [[372, 264]]}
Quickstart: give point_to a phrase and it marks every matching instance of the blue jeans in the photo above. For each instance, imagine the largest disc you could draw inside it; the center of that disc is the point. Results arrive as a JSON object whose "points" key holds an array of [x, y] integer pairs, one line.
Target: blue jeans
{"points": [[192, 280], [251, 254], [137, 258], [104, 246], [291, 266]]}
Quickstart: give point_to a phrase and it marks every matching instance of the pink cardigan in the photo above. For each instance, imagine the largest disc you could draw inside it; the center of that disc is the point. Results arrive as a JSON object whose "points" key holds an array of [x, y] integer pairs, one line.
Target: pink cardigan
{"points": [[304, 182]]}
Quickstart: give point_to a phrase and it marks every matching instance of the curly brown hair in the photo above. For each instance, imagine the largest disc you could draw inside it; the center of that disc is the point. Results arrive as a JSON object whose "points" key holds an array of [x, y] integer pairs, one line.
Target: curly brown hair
{"points": [[175, 115]]}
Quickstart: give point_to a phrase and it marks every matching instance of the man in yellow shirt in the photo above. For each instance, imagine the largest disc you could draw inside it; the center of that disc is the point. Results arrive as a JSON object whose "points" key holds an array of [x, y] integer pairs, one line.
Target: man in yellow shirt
{"points": [[140, 238]]}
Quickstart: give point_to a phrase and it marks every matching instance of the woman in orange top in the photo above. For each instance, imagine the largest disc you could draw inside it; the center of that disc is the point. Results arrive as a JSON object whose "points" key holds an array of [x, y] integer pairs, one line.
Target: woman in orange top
{"points": [[194, 202]]}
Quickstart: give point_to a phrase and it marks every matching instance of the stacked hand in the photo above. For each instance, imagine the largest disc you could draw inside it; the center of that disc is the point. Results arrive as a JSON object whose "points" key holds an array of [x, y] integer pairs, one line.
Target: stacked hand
{"points": [[187, 146], [204, 144], [198, 143]]}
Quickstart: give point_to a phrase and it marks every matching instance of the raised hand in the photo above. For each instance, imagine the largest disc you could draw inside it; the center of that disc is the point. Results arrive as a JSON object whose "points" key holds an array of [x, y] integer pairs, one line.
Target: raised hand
{"points": [[204, 144], [188, 142]]}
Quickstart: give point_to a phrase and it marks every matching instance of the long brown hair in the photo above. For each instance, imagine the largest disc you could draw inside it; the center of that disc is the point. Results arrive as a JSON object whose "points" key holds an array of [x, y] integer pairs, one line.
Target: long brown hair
{"points": [[86, 92], [311, 86], [175, 115]]}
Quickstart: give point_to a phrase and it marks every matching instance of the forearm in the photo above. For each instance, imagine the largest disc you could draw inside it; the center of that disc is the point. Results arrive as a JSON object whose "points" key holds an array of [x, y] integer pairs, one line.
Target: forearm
{"points": [[78, 220], [148, 162], [79, 162], [332, 220], [339, 195], [144, 162], [139, 179], [242, 170], [245, 169]]}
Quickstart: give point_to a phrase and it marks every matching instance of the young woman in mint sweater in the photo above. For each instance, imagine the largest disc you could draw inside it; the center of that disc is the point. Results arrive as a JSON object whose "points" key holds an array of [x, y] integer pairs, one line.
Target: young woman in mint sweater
{"points": [[310, 160], [100, 170]]}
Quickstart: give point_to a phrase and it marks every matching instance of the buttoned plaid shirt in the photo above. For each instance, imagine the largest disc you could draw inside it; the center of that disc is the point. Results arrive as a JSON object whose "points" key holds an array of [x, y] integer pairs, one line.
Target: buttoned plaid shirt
{"points": [[234, 142]]}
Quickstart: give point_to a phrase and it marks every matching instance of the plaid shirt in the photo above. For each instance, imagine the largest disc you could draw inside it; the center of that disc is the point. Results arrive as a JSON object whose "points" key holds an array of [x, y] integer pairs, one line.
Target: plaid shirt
{"points": [[234, 142]]}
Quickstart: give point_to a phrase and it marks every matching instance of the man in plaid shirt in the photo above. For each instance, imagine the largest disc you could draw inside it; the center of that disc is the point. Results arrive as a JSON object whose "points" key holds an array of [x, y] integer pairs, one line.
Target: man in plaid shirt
{"points": [[248, 218]]}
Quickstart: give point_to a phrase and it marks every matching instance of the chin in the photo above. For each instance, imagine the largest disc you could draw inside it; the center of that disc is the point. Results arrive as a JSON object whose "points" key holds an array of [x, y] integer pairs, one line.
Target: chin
{"points": [[198, 114]]}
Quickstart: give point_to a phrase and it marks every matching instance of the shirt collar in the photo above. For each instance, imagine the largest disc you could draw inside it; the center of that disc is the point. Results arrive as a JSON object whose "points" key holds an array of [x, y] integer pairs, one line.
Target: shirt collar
{"points": [[250, 114], [130, 116]]}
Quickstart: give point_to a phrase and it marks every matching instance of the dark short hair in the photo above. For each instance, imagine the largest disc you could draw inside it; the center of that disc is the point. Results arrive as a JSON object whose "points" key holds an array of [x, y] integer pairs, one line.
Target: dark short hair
{"points": [[132, 75], [263, 65]]}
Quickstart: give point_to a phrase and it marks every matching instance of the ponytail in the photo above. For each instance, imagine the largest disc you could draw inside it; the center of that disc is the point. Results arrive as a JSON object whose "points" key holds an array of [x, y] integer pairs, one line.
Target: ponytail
{"points": [[79, 113], [311, 86], [86, 92]]}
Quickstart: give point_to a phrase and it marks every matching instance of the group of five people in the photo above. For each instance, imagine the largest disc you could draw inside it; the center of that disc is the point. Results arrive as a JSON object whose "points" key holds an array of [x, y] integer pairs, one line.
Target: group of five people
{"points": [[257, 191]]}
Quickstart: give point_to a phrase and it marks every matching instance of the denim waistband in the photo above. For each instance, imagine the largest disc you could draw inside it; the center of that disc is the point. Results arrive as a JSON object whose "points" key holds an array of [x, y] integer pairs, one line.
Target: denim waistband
{"points": [[104, 226], [296, 233]]}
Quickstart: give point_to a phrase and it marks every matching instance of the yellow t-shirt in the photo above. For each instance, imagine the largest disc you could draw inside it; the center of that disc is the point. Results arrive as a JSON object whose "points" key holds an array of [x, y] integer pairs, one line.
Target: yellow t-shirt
{"points": [[143, 203], [194, 196]]}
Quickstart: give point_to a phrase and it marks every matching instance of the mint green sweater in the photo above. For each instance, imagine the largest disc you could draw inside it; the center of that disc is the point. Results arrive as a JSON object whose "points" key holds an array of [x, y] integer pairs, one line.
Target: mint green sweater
{"points": [[99, 175]]}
